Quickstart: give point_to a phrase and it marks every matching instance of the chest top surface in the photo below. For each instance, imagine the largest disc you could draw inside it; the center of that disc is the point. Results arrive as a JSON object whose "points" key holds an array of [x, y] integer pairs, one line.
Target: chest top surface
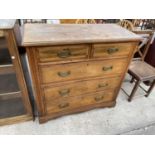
{"points": [[7, 23], [47, 34]]}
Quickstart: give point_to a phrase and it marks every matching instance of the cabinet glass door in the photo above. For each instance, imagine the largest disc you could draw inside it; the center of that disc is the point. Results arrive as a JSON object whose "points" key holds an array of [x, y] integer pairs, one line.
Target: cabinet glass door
{"points": [[11, 103]]}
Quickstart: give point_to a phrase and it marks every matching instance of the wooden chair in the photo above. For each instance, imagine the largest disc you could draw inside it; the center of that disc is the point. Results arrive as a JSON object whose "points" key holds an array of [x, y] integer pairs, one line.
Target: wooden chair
{"points": [[137, 22], [139, 69], [85, 21], [126, 24]]}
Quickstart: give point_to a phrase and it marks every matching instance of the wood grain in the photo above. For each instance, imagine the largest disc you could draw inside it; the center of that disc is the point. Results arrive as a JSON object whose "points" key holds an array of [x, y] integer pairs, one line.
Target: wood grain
{"points": [[62, 53], [72, 71], [112, 50], [14, 120], [70, 85], [59, 34], [49, 116], [75, 102], [79, 88]]}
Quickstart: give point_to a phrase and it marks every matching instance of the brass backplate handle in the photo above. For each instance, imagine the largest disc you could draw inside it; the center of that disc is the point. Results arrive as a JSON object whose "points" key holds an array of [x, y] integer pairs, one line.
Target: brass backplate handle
{"points": [[64, 92], [99, 98], [112, 50], [107, 68], [65, 53], [63, 105], [102, 85], [64, 74]]}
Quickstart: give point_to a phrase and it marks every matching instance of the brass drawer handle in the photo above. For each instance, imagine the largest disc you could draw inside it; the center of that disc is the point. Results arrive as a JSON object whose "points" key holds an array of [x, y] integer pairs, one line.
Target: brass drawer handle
{"points": [[107, 68], [102, 85], [63, 105], [112, 50], [64, 92], [65, 53], [99, 98], [64, 74]]}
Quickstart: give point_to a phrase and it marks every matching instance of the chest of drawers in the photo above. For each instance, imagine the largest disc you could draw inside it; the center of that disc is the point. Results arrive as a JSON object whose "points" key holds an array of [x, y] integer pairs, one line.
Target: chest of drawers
{"points": [[76, 67]]}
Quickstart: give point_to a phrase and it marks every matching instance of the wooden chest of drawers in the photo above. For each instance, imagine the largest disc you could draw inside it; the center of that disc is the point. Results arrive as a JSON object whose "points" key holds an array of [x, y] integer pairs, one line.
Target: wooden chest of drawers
{"points": [[77, 67]]}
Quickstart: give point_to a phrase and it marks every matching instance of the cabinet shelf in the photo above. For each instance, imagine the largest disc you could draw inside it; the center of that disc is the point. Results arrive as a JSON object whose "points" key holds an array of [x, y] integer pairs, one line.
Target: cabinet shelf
{"points": [[12, 95], [6, 69], [8, 83], [11, 108], [5, 58]]}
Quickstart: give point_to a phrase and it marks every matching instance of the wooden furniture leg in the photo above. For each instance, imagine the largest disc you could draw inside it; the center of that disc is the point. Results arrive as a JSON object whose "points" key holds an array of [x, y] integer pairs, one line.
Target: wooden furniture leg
{"points": [[150, 89], [134, 90], [132, 80]]}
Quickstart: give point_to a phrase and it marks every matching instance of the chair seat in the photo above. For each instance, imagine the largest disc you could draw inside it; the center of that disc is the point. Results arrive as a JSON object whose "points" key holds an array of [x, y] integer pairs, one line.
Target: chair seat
{"points": [[141, 70], [144, 35]]}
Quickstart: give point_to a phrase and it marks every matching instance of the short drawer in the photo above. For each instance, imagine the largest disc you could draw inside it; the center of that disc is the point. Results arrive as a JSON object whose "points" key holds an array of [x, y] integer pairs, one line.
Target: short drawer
{"points": [[78, 102], [112, 50], [62, 53], [78, 88], [72, 71]]}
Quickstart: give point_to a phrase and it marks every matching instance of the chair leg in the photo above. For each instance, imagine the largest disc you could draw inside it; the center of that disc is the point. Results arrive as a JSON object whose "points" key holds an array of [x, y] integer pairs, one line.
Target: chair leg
{"points": [[134, 90], [150, 89], [132, 80]]}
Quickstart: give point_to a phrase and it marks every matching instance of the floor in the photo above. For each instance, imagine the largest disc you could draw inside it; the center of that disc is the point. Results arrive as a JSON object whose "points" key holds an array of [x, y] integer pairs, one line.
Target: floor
{"points": [[136, 117]]}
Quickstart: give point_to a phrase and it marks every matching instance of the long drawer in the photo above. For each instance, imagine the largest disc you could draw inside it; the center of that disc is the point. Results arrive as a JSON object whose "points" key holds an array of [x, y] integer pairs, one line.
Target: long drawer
{"points": [[80, 101], [112, 50], [70, 89], [72, 71]]}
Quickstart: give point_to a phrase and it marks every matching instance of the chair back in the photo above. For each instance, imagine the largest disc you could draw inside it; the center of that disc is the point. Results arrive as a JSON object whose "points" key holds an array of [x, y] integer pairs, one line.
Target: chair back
{"points": [[147, 36], [85, 21], [137, 22], [126, 24]]}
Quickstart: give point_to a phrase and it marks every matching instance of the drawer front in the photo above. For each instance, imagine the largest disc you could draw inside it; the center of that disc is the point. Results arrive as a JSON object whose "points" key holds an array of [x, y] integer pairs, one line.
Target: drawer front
{"points": [[77, 102], [62, 53], [112, 50], [72, 71], [79, 88]]}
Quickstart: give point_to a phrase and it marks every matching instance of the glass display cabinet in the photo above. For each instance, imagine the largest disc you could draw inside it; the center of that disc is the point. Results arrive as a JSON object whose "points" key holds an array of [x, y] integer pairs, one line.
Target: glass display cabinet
{"points": [[14, 99]]}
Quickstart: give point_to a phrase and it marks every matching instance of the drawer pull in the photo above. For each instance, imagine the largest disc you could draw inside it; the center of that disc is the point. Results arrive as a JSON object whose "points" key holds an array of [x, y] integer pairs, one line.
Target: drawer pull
{"points": [[63, 105], [64, 92], [112, 50], [107, 68], [102, 85], [64, 74], [99, 98], [64, 53]]}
